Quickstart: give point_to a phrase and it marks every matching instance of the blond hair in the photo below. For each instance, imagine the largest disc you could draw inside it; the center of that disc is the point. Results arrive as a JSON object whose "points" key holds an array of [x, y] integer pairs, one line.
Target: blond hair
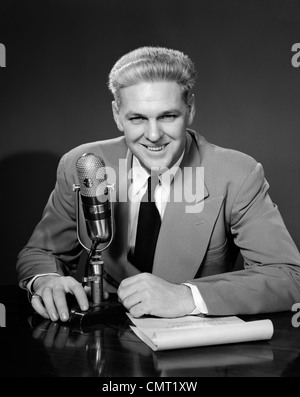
{"points": [[152, 64]]}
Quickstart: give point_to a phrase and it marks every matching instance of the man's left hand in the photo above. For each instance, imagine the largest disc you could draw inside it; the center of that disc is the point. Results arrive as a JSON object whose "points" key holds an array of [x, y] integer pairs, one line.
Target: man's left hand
{"points": [[146, 294]]}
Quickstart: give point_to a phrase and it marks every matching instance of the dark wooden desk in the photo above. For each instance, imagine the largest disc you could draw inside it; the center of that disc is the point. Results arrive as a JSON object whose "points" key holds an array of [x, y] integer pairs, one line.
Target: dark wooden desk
{"points": [[30, 346]]}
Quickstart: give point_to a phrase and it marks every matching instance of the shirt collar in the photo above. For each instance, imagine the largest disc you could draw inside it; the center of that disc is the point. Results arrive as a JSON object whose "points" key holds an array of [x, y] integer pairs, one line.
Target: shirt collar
{"points": [[140, 175]]}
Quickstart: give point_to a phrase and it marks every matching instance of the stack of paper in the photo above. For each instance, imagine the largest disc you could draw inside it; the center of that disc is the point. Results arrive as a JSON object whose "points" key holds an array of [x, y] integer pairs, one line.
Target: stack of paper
{"points": [[191, 331]]}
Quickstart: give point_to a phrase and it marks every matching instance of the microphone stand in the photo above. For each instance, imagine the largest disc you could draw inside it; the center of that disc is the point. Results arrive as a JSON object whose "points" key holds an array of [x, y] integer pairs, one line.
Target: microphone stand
{"points": [[93, 273]]}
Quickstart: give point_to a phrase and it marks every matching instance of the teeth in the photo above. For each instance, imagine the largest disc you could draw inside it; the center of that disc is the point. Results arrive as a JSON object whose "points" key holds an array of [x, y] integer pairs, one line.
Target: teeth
{"points": [[155, 148]]}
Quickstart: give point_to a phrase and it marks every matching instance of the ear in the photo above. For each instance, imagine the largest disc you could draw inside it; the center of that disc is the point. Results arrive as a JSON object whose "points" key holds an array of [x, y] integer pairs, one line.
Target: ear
{"points": [[116, 115], [191, 109]]}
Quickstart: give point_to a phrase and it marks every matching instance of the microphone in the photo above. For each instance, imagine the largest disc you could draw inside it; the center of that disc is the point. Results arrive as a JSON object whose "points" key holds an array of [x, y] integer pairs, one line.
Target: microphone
{"points": [[94, 197]]}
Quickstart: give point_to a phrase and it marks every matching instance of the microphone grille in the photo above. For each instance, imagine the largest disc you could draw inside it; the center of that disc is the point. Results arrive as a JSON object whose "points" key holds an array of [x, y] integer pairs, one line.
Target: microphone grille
{"points": [[92, 175]]}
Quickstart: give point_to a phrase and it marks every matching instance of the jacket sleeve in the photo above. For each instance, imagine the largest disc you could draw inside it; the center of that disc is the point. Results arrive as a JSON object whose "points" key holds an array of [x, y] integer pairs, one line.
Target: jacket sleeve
{"points": [[270, 280], [53, 246]]}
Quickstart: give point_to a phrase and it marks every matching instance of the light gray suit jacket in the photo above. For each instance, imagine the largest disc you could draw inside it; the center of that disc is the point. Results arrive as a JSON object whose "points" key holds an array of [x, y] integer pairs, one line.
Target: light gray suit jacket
{"points": [[198, 241]]}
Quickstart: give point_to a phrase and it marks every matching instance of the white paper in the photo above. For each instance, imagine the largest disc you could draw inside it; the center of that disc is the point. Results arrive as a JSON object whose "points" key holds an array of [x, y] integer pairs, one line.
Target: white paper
{"points": [[190, 331]]}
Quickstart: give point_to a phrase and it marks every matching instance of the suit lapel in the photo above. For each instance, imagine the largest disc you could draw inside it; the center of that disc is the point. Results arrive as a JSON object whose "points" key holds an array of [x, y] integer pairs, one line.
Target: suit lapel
{"points": [[183, 240]]}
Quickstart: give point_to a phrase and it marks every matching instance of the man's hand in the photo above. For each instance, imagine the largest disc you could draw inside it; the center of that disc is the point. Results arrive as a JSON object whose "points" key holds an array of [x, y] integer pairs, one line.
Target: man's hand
{"points": [[147, 294], [53, 303]]}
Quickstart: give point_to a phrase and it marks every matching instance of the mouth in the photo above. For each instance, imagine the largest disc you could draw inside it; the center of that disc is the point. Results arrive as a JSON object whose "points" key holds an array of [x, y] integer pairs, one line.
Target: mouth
{"points": [[154, 148]]}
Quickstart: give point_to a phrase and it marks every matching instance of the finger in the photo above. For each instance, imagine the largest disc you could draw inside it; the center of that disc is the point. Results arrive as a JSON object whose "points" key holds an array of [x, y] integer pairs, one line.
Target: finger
{"points": [[49, 303], [125, 291], [80, 296], [139, 310], [132, 300], [88, 290], [60, 302], [36, 303]]}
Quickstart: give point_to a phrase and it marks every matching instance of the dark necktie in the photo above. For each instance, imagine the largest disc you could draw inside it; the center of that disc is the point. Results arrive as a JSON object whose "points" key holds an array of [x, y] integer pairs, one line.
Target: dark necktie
{"points": [[149, 222]]}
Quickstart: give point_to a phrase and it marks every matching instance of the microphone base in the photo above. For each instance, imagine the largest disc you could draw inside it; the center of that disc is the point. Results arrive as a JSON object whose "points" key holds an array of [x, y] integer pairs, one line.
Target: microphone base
{"points": [[97, 313]]}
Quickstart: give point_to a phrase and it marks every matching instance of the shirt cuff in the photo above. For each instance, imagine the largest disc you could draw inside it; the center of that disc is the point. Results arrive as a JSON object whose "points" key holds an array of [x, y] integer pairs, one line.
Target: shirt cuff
{"points": [[198, 300], [31, 281]]}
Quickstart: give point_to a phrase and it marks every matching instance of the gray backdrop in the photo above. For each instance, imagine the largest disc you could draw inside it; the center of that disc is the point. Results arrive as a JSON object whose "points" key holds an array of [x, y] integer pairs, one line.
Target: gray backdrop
{"points": [[53, 91]]}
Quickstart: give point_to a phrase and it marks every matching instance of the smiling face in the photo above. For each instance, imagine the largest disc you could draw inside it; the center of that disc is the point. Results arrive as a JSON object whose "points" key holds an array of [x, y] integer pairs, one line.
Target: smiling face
{"points": [[154, 117]]}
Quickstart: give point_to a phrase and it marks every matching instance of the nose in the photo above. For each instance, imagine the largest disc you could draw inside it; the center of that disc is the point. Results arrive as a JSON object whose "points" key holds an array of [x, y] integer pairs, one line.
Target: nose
{"points": [[153, 131]]}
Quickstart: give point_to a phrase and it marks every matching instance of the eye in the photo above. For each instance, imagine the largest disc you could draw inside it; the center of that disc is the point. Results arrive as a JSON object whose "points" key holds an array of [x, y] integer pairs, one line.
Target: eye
{"points": [[169, 117], [136, 119]]}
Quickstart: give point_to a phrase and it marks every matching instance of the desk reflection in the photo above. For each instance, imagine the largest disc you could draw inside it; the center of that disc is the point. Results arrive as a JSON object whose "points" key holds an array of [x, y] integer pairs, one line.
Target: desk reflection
{"points": [[112, 349], [106, 349]]}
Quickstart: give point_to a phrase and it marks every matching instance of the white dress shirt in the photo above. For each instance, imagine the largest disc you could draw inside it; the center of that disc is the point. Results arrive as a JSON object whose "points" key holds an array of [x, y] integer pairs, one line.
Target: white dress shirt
{"points": [[138, 188]]}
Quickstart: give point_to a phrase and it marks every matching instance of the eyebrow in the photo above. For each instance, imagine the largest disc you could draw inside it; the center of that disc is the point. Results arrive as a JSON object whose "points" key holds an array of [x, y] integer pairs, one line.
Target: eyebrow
{"points": [[166, 112]]}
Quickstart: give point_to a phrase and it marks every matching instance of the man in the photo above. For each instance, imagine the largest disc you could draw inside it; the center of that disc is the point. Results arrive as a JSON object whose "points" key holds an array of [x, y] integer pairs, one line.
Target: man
{"points": [[197, 241]]}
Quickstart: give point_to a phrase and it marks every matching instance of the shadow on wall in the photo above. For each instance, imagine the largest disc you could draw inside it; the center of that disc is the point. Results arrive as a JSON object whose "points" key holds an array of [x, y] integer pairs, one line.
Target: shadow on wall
{"points": [[27, 180]]}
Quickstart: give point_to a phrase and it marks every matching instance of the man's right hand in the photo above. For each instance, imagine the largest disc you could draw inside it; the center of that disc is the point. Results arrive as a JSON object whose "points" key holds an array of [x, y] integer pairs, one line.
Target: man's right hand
{"points": [[49, 299]]}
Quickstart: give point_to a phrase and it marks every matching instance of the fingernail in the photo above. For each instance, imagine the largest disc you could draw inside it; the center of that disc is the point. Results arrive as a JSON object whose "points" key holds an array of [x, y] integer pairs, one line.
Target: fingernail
{"points": [[85, 307], [64, 316], [54, 317]]}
